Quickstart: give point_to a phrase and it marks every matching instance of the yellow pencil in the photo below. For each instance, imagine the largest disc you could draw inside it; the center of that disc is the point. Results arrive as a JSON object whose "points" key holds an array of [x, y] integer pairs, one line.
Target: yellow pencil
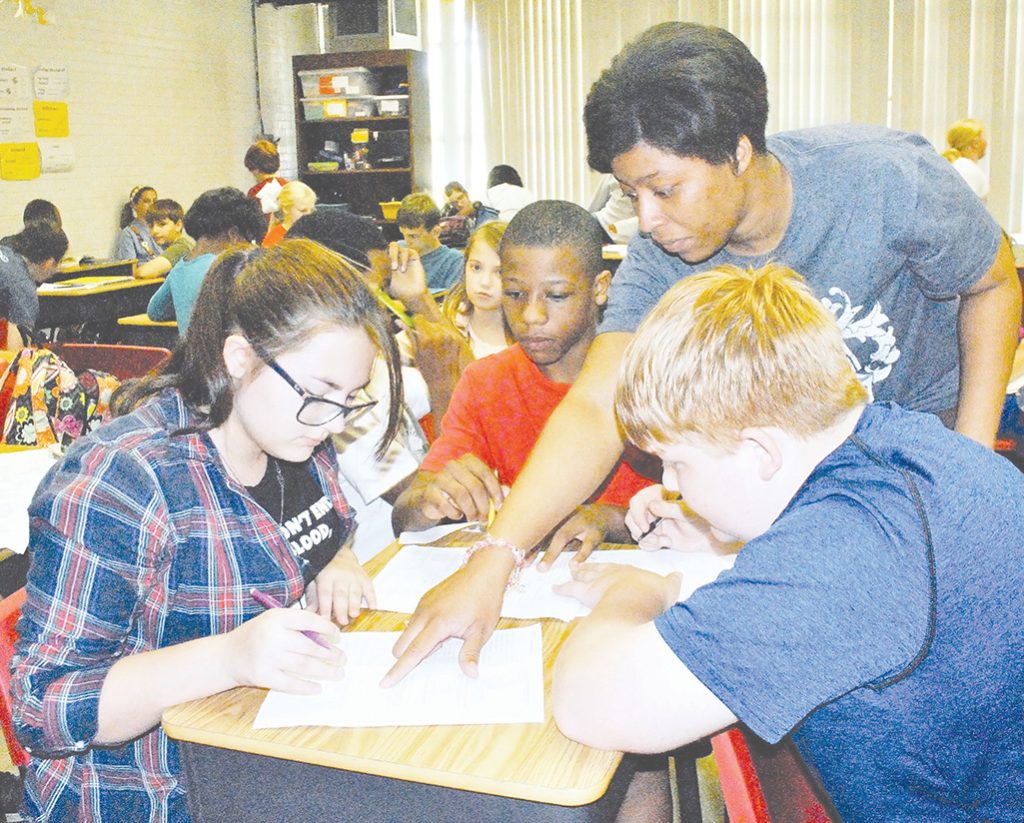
{"points": [[492, 512]]}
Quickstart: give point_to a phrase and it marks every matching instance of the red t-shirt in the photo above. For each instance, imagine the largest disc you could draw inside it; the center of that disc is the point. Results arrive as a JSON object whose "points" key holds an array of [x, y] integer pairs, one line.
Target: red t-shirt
{"points": [[497, 411], [275, 234]]}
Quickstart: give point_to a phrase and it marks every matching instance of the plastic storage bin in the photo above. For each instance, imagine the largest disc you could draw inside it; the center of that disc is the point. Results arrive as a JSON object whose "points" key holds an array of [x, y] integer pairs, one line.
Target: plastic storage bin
{"points": [[362, 107], [353, 80], [393, 106]]}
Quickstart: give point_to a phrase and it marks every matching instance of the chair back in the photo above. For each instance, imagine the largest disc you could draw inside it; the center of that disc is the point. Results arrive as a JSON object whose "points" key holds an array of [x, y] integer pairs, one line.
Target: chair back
{"points": [[764, 783], [10, 611], [123, 362]]}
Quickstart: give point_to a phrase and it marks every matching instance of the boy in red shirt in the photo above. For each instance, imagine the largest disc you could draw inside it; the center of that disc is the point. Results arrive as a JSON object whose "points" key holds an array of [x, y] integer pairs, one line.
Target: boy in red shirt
{"points": [[553, 287]]}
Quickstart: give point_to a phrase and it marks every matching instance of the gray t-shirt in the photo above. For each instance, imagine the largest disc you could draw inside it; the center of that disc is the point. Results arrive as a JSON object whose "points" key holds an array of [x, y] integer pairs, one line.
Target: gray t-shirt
{"points": [[886, 233], [19, 300]]}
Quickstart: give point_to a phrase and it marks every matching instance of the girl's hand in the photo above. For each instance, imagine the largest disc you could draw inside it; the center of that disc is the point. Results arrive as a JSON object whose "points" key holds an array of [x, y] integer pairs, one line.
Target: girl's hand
{"points": [[270, 651], [408, 281], [340, 588]]}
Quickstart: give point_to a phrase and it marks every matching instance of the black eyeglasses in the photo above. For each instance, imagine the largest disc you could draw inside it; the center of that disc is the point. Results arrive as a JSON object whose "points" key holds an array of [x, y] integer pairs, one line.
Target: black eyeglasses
{"points": [[315, 410]]}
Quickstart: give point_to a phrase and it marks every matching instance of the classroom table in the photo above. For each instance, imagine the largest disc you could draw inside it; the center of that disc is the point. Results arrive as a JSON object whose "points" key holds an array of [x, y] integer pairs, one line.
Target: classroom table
{"points": [[139, 330], [96, 301], [481, 773], [96, 268]]}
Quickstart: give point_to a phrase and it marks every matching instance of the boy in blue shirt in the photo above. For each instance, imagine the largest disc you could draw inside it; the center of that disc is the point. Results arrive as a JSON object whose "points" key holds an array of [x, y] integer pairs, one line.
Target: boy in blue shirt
{"points": [[874, 611], [419, 221]]}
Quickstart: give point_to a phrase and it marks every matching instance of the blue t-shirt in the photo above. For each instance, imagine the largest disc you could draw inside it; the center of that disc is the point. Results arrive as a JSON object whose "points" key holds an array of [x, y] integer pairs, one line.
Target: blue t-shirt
{"points": [[882, 618], [443, 268], [886, 233], [177, 294]]}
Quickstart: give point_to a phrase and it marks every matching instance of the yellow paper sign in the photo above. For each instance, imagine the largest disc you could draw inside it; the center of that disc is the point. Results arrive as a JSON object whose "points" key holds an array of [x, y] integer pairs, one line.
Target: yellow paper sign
{"points": [[19, 161], [51, 118]]}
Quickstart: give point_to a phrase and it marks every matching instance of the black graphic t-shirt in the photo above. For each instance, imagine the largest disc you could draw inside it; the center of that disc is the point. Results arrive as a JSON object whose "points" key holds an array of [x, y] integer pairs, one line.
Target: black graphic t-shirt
{"points": [[291, 496]]}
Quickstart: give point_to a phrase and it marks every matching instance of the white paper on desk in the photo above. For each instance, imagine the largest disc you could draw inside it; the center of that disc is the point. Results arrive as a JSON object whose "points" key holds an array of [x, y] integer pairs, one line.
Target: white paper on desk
{"points": [[68, 285], [20, 473], [416, 569], [435, 533], [510, 688]]}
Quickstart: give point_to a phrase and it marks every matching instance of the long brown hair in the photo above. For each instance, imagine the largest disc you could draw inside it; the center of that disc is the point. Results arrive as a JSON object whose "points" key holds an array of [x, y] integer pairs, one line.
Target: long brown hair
{"points": [[277, 299]]}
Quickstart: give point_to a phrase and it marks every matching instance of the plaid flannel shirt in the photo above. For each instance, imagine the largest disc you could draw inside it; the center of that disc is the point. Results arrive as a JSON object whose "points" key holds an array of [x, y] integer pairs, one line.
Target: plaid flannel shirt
{"points": [[139, 540]]}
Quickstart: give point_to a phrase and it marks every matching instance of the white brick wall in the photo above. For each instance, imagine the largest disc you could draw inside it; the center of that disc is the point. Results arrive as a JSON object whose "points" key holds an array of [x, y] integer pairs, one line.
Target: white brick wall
{"points": [[162, 93]]}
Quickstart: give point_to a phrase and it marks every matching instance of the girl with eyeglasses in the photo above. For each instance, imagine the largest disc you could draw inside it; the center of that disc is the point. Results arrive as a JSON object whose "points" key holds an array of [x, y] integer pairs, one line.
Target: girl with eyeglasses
{"points": [[149, 537]]}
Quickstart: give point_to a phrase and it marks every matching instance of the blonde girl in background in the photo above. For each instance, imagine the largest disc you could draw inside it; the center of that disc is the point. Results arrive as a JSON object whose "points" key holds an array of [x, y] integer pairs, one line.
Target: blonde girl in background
{"points": [[967, 145], [473, 305], [295, 200]]}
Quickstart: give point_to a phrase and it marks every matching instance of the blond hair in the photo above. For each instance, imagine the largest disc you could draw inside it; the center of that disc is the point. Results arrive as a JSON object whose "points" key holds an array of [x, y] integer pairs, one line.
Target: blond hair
{"points": [[960, 136], [456, 304], [729, 349], [295, 193]]}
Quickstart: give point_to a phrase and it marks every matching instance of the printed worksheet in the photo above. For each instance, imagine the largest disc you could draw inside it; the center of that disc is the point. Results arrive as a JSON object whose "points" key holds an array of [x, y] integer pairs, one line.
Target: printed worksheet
{"points": [[510, 688], [20, 474], [416, 569]]}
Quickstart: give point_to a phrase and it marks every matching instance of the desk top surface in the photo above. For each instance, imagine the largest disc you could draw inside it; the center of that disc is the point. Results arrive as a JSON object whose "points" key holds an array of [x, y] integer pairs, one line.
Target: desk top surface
{"points": [[83, 286], [144, 320], [530, 762]]}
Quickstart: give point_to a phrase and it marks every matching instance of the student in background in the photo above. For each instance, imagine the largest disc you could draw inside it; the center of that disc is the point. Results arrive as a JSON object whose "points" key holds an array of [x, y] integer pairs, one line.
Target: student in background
{"points": [[418, 221], [41, 211], [263, 160], [371, 481], [506, 193], [135, 240], [295, 200], [460, 216], [473, 304], [28, 259], [614, 211], [967, 145], [164, 219], [218, 218], [231, 442], [874, 610], [553, 286]]}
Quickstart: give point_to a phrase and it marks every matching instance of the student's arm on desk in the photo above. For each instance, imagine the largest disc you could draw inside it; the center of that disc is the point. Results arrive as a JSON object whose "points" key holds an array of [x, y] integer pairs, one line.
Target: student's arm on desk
{"points": [[598, 697], [156, 267], [575, 452], [987, 325], [268, 651], [161, 305]]}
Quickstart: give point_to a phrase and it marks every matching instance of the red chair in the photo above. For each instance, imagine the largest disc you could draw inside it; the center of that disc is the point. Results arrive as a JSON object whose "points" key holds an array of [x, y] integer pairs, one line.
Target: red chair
{"points": [[123, 362], [10, 610], [765, 784]]}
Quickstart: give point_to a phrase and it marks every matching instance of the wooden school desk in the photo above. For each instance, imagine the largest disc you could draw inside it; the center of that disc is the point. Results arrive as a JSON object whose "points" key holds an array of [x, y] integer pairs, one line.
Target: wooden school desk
{"points": [[106, 268], [98, 300], [503, 773], [139, 330]]}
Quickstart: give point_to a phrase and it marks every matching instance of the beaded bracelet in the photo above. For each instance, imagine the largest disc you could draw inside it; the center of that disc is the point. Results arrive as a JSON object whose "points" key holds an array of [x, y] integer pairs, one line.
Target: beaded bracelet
{"points": [[517, 554]]}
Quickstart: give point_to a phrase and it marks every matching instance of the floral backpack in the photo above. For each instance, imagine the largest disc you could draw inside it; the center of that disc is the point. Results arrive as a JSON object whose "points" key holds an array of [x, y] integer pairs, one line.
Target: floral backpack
{"points": [[47, 403]]}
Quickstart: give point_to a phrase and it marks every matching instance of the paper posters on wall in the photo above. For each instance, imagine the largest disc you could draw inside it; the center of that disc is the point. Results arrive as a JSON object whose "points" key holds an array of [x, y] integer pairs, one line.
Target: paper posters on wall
{"points": [[51, 82], [14, 82], [19, 161], [16, 122], [56, 155], [51, 118]]}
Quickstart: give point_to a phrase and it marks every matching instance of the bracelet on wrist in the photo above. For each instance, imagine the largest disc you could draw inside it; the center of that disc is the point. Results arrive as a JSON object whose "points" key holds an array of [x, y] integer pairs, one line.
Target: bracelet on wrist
{"points": [[518, 555]]}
